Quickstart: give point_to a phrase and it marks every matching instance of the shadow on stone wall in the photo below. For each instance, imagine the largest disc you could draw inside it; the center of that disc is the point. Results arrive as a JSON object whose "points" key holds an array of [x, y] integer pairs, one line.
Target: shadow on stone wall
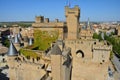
{"points": [[3, 76]]}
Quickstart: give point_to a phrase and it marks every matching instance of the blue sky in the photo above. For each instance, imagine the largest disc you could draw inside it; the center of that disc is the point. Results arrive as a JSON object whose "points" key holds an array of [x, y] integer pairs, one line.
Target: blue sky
{"points": [[26, 10]]}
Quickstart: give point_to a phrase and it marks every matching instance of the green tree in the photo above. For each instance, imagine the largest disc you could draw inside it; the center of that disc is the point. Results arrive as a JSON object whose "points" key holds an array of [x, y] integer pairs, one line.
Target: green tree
{"points": [[6, 43], [95, 36]]}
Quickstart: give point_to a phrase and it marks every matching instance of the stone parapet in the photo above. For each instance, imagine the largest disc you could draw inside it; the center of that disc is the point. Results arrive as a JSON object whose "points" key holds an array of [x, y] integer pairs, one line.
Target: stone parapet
{"points": [[47, 25]]}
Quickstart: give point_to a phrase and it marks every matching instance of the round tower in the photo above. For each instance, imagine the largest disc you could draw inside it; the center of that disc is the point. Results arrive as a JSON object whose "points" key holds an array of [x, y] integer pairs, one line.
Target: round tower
{"points": [[17, 42], [12, 55], [30, 41]]}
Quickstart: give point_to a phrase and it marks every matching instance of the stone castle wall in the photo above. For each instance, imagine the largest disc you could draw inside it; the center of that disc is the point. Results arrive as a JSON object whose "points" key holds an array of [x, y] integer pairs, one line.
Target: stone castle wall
{"points": [[25, 70]]}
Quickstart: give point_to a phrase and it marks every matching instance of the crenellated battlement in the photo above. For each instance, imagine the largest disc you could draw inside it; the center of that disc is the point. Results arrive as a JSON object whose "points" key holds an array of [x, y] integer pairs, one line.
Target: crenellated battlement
{"points": [[74, 11], [102, 47]]}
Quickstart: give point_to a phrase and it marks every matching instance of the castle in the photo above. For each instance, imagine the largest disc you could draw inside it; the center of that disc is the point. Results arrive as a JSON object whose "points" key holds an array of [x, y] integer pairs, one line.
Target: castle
{"points": [[74, 56]]}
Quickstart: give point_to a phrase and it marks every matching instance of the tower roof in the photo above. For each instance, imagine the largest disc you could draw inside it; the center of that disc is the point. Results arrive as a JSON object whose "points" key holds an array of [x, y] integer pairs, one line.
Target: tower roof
{"points": [[30, 41], [88, 23], [19, 35], [12, 51], [16, 39], [56, 50]]}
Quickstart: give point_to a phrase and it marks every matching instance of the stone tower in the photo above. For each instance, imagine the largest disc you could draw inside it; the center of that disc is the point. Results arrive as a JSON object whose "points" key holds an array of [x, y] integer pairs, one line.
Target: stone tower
{"points": [[12, 55], [72, 19], [56, 61], [39, 19], [17, 42]]}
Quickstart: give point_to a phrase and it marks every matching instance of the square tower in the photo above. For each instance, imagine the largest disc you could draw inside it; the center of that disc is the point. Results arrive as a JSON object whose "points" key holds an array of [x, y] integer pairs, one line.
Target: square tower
{"points": [[72, 19], [39, 19]]}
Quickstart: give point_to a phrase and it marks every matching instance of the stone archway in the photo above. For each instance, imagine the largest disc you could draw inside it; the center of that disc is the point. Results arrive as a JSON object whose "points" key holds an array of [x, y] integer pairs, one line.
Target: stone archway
{"points": [[80, 53]]}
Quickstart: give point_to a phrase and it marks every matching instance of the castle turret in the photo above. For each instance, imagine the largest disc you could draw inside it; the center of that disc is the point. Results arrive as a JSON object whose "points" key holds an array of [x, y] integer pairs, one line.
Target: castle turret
{"points": [[12, 51], [12, 55], [17, 42], [72, 18], [46, 20], [39, 19], [56, 62], [30, 41], [16, 39], [19, 36], [56, 20]]}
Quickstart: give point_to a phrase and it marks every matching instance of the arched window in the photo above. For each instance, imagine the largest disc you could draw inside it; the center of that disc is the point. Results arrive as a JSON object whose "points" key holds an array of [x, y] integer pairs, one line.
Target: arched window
{"points": [[80, 53]]}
